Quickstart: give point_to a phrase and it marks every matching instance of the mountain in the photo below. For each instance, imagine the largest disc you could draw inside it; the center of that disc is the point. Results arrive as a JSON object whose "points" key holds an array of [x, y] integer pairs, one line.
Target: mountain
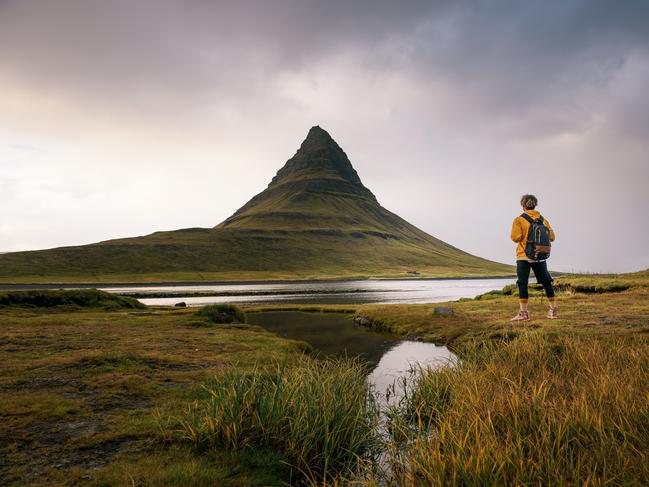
{"points": [[315, 219]]}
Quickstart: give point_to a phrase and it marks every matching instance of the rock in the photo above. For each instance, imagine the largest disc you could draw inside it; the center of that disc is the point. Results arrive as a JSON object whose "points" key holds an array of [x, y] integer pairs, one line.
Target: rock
{"points": [[443, 310], [362, 320], [182, 304]]}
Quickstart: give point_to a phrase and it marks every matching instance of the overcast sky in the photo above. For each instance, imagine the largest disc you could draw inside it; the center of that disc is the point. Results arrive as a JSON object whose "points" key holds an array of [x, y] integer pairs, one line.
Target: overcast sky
{"points": [[120, 118]]}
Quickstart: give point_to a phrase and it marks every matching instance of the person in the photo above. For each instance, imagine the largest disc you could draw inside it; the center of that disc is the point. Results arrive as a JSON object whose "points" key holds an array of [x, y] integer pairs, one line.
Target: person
{"points": [[520, 228]]}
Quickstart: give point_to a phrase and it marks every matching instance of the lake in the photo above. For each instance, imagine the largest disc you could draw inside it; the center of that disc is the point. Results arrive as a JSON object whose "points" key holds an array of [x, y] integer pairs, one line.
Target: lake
{"points": [[312, 292]]}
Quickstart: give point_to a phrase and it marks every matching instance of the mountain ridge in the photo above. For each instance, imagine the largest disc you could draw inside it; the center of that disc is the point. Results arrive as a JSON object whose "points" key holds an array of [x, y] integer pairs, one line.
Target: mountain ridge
{"points": [[315, 219]]}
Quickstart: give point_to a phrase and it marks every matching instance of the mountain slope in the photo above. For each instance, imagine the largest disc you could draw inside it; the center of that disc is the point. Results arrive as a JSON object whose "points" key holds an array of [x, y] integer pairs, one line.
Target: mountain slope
{"points": [[315, 219]]}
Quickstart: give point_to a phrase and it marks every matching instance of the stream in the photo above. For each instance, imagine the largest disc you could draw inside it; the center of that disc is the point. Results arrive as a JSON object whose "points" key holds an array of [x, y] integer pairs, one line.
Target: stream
{"points": [[389, 357]]}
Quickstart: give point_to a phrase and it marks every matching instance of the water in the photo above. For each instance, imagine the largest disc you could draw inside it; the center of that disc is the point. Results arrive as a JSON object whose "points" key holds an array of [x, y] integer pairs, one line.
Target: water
{"points": [[321, 292], [389, 357]]}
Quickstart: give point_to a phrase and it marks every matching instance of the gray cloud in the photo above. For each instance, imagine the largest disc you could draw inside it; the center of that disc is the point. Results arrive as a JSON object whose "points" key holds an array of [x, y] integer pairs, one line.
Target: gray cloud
{"points": [[451, 103]]}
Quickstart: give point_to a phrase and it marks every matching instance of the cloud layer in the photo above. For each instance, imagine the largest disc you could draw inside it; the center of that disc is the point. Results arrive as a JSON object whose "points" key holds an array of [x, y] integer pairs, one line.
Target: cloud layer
{"points": [[121, 118]]}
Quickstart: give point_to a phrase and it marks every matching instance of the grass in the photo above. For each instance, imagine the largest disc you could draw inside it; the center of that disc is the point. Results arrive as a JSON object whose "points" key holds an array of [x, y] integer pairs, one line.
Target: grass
{"points": [[78, 388], [318, 415], [84, 298], [261, 255], [567, 411], [607, 312], [545, 402], [222, 313]]}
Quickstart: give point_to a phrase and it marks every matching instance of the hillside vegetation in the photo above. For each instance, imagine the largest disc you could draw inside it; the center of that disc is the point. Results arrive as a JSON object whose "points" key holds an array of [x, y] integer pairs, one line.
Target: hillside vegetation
{"points": [[316, 219]]}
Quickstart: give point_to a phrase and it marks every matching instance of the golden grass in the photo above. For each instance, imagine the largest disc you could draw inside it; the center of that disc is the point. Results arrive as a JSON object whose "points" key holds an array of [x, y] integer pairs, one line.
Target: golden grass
{"points": [[571, 410]]}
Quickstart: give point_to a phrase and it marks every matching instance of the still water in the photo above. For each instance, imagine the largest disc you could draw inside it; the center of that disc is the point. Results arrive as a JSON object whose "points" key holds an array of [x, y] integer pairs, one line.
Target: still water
{"points": [[389, 357], [321, 292]]}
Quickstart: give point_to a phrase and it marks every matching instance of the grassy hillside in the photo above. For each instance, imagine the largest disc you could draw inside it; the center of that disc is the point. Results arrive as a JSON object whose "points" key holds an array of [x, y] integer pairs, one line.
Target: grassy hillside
{"points": [[315, 220]]}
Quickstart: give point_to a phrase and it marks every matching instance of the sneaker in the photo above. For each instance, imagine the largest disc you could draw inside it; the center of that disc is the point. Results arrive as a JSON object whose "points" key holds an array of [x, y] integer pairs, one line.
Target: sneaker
{"points": [[553, 314], [521, 316]]}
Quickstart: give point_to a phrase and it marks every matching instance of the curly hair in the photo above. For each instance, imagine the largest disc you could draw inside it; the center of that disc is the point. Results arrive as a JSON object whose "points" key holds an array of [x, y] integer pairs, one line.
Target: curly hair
{"points": [[529, 201]]}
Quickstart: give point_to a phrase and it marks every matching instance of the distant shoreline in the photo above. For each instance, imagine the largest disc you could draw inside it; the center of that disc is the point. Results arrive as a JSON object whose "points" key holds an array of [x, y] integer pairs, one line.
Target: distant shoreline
{"points": [[106, 285]]}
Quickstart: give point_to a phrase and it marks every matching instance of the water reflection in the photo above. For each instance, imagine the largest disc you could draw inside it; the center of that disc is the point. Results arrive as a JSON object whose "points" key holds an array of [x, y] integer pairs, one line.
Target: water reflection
{"points": [[328, 333], [401, 361], [389, 357], [329, 292]]}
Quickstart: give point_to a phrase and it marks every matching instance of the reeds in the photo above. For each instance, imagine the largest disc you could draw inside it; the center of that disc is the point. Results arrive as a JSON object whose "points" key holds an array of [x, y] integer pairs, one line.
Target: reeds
{"points": [[535, 411], [538, 410], [318, 414]]}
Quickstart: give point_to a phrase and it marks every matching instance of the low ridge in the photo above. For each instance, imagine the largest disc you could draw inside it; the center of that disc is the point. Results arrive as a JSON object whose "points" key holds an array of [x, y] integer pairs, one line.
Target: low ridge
{"points": [[315, 219]]}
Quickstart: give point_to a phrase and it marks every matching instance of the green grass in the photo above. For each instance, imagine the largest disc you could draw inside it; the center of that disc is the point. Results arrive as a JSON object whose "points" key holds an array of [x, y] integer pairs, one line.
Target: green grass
{"points": [[84, 298], [222, 313], [239, 254], [79, 387], [605, 312], [318, 415]]}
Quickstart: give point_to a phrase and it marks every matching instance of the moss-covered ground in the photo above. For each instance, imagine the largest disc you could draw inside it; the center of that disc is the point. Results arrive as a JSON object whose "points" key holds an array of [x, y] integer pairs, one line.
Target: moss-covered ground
{"points": [[79, 388]]}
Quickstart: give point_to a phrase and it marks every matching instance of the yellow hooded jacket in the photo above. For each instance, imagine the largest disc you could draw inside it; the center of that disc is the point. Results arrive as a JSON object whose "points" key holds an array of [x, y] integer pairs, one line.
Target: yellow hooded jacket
{"points": [[520, 228]]}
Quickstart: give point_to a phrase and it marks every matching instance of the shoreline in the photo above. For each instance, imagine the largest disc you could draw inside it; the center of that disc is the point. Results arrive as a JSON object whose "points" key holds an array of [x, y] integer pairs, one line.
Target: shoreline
{"points": [[109, 285]]}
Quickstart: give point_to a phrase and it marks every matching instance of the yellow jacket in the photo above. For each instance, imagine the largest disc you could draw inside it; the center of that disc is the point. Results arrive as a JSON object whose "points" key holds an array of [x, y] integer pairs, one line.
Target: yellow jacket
{"points": [[520, 228]]}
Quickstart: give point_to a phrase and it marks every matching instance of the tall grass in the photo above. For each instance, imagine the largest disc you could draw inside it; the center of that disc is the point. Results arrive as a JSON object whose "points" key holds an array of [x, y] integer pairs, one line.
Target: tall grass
{"points": [[318, 414], [535, 411]]}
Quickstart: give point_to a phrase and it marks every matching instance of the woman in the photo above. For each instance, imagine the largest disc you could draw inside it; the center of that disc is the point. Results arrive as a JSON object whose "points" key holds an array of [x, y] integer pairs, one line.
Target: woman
{"points": [[520, 228]]}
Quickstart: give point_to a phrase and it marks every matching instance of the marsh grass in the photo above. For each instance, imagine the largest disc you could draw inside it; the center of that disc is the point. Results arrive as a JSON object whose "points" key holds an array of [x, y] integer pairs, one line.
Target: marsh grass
{"points": [[222, 313], [83, 298], [535, 411], [319, 415]]}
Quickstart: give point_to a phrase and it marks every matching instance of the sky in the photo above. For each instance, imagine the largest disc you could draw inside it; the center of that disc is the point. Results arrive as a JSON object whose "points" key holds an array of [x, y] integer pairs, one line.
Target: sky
{"points": [[122, 118]]}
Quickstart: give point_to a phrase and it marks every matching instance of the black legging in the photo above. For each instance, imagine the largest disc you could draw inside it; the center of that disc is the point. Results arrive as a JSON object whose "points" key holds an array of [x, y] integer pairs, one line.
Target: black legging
{"points": [[540, 272]]}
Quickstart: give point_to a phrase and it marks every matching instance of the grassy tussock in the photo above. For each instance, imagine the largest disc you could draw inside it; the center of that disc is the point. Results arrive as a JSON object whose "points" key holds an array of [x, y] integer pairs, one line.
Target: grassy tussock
{"points": [[222, 313], [570, 411], [84, 298], [319, 415]]}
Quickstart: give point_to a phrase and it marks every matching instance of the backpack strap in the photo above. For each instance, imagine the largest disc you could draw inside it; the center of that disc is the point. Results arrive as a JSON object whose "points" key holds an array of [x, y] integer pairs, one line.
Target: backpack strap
{"points": [[527, 217]]}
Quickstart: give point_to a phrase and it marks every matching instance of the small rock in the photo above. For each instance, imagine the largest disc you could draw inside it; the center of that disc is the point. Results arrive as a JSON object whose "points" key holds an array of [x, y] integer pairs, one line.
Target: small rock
{"points": [[443, 310], [182, 304], [362, 321]]}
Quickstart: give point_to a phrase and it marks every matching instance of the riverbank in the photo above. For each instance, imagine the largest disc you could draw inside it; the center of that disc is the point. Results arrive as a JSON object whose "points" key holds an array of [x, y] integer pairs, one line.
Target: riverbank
{"points": [[79, 388], [65, 284]]}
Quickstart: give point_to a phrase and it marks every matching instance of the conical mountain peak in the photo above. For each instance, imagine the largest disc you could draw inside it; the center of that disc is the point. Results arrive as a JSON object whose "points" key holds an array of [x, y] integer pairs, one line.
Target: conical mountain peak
{"points": [[315, 220], [319, 157], [317, 182]]}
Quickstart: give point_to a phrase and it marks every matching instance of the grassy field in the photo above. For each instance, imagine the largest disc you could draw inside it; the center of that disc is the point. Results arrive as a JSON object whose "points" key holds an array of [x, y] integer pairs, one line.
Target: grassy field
{"points": [[97, 396], [79, 387], [602, 307]]}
